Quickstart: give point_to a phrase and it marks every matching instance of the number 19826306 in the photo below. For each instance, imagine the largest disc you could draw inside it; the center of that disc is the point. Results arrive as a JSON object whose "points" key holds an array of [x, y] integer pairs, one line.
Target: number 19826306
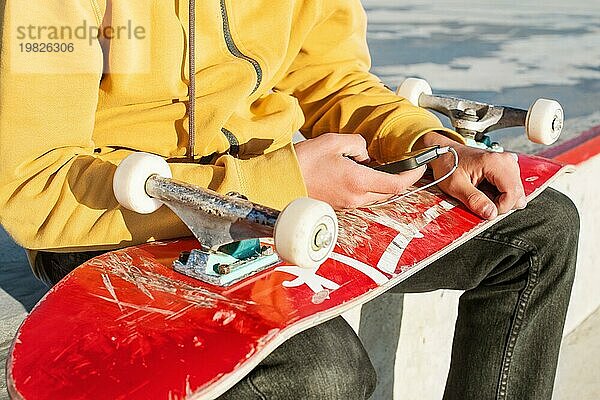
{"points": [[47, 47]]}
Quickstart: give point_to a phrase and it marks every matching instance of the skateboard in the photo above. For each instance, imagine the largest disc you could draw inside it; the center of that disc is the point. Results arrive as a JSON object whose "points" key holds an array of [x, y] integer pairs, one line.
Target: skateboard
{"points": [[189, 318]]}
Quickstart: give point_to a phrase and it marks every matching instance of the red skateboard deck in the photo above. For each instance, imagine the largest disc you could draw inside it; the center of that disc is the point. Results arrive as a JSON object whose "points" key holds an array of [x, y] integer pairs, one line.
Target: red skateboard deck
{"points": [[125, 325]]}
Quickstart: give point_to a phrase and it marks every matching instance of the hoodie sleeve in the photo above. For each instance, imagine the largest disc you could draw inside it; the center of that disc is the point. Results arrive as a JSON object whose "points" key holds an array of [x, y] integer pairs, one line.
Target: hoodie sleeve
{"points": [[55, 183], [331, 80]]}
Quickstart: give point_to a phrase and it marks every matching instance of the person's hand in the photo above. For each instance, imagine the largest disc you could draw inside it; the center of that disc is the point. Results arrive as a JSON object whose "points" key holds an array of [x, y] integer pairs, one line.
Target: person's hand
{"points": [[476, 165], [332, 173]]}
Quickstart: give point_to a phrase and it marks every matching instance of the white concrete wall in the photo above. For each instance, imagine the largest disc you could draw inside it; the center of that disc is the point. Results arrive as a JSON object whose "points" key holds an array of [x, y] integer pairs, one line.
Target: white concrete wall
{"points": [[423, 355], [583, 187]]}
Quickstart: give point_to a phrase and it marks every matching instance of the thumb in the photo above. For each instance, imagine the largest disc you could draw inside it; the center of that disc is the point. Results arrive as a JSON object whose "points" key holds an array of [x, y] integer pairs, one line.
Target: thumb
{"points": [[474, 199], [353, 146]]}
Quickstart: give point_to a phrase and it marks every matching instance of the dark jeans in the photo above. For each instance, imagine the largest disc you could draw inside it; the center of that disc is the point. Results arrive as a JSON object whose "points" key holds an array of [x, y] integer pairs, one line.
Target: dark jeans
{"points": [[517, 278], [51, 267]]}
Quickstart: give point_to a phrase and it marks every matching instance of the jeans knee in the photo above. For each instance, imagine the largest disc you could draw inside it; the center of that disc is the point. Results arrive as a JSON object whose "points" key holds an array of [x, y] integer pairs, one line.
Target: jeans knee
{"points": [[346, 372], [326, 362], [562, 213], [551, 221], [559, 230], [362, 379]]}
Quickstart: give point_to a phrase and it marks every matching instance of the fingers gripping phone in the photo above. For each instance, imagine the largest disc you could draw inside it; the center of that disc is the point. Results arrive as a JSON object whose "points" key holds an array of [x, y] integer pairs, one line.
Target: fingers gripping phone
{"points": [[412, 160]]}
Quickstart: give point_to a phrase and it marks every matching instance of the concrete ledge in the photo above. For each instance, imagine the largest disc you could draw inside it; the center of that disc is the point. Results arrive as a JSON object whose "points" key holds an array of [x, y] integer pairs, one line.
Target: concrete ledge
{"points": [[582, 187]]}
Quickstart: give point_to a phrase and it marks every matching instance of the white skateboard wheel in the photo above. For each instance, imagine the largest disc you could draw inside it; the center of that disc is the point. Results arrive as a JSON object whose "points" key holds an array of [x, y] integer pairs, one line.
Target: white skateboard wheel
{"points": [[544, 121], [306, 232], [412, 88], [129, 181]]}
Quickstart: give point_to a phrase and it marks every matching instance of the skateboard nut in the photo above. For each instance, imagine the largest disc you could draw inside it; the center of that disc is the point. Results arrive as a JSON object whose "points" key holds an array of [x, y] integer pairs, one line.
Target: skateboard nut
{"points": [[266, 250], [323, 238], [236, 195], [557, 123], [468, 114]]}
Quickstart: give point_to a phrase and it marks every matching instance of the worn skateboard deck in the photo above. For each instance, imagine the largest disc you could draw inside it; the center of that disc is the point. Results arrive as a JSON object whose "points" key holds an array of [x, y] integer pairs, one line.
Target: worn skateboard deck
{"points": [[125, 325]]}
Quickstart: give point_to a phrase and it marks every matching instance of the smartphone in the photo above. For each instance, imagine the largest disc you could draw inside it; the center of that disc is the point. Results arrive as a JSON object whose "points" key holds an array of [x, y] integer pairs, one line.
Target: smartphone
{"points": [[411, 160]]}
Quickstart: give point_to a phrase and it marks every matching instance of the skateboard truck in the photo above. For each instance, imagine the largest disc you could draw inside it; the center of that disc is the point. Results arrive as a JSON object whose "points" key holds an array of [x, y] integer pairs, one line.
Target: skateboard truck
{"points": [[227, 226], [543, 121]]}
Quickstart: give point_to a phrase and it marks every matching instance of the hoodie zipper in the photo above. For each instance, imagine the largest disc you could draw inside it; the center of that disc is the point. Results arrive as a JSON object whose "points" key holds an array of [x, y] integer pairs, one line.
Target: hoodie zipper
{"points": [[233, 49], [234, 144]]}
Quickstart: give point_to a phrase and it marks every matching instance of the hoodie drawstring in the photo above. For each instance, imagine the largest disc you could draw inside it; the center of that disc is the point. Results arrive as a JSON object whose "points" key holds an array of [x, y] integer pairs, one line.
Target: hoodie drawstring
{"points": [[192, 84]]}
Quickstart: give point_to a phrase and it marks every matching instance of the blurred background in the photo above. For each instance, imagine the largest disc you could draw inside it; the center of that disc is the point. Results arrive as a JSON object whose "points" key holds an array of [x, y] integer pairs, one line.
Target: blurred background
{"points": [[501, 52]]}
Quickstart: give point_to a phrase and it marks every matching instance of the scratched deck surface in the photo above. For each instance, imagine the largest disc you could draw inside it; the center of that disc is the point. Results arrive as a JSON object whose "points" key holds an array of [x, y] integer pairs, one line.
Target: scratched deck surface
{"points": [[125, 325]]}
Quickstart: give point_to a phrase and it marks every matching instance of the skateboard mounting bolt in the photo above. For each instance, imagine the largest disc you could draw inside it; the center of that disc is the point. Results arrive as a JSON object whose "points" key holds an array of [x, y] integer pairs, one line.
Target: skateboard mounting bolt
{"points": [[222, 269], [184, 256]]}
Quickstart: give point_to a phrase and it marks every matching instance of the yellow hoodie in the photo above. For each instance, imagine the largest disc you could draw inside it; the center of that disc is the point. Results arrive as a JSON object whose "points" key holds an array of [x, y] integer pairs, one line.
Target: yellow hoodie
{"points": [[71, 113]]}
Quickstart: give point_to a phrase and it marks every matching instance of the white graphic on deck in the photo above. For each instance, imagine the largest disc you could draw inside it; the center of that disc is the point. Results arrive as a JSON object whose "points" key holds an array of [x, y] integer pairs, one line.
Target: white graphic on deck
{"points": [[391, 256], [308, 277], [321, 285], [366, 269], [387, 263]]}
